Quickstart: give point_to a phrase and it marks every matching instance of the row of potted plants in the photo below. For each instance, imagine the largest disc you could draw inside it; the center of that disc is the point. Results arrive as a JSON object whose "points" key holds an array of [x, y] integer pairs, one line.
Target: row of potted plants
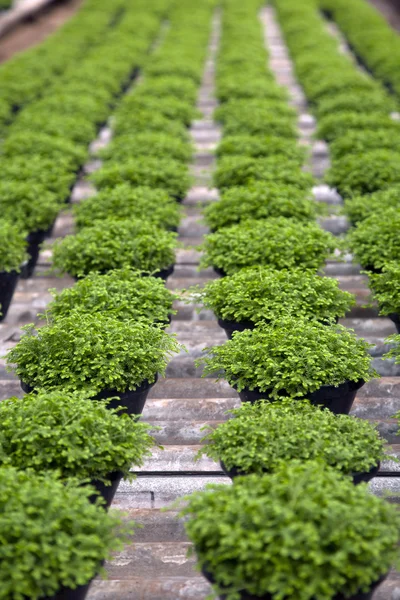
{"points": [[47, 144], [293, 524]]}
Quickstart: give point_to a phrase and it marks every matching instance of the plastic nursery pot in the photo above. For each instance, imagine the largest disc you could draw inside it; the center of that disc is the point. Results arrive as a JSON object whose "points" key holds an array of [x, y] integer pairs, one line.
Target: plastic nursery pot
{"points": [[338, 399], [357, 477], [34, 239], [131, 401], [230, 326], [219, 271], [107, 491], [395, 317], [78, 593], [8, 283], [245, 596]]}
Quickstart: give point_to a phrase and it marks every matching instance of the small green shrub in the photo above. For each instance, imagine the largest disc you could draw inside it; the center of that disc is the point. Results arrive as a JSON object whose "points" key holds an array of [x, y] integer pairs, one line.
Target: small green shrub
{"points": [[234, 109], [52, 536], [35, 170], [71, 435], [91, 352], [240, 85], [167, 106], [123, 294], [114, 244], [259, 202], [329, 85], [338, 124], [243, 171], [365, 173], [361, 102], [69, 127], [375, 241], [162, 66], [12, 248], [258, 146], [359, 208], [44, 145], [291, 356], [276, 242], [385, 288], [152, 143], [259, 123], [262, 294], [28, 205], [170, 85], [124, 202], [302, 532], [265, 434], [146, 121], [360, 142], [163, 173]]}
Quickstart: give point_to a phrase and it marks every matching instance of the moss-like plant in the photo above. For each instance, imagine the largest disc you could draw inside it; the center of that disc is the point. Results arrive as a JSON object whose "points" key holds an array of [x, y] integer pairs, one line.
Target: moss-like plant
{"points": [[262, 123], [276, 242], [69, 127], [358, 208], [12, 247], [291, 356], [359, 142], [91, 352], [260, 201], [258, 146], [169, 106], [263, 435], [337, 124], [71, 435], [145, 121], [44, 145], [301, 532], [375, 241], [124, 201], [65, 538], [168, 85], [367, 102], [28, 205], [114, 244], [385, 288], [263, 294], [240, 85], [54, 177], [164, 173], [122, 293], [147, 144], [243, 171], [234, 109], [365, 173]]}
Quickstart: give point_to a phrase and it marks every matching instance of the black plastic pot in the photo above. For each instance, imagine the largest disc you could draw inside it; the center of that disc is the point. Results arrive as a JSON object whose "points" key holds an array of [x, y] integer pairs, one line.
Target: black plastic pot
{"points": [[78, 593], [230, 326], [8, 283], [219, 271], [338, 399], [132, 401], [396, 320], [357, 477], [107, 491], [245, 596], [34, 239], [165, 273]]}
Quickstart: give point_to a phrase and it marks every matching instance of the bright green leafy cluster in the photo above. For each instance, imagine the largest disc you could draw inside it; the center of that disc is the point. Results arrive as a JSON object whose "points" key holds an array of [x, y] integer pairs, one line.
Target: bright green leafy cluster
{"points": [[358, 208], [258, 146], [13, 247], [385, 288], [149, 143]]}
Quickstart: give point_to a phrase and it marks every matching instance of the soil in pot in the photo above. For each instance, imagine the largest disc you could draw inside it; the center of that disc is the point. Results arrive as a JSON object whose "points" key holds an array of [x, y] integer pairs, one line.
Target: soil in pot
{"points": [[338, 399], [132, 401], [8, 283], [34, 239]]}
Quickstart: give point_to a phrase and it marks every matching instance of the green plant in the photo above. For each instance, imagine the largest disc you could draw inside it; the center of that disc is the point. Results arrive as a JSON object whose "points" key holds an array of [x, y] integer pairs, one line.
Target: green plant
{"points": [[301, 532], [385, 288], [71, 435], [44, 145], [13, 247], [359, 208], [245, 171], [28, 205], [75, 129], [261, 123], [291, 356], [113, 244], [276, 242], [337, 124], [233, 110], [56, 178], [164, 173], [258, 146], [263, 435], [123, 294], [359, 142], [168, 85], [364, 173], [146, 121], [260, 201], [91, 352], [367, 102], [147, 144], [375, 240], [240, 85], [262, 294], [52, 536], [124, 201], [168, 106]]}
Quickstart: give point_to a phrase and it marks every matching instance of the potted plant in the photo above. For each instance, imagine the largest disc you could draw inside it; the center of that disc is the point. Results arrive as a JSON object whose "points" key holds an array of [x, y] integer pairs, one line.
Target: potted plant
{"points": [[294, 357], [376, 101], [277, 242], [374, 242], [262, 122], [96, 353], [168, 85], [303, 532], [336, 124], [145, 121], [234, 109], [165, 173], [123, 294], [114, 244], [56, 178], [258, 146], [263, 295], [358, 208], [69, 434], [126, 202], [54, 541], [153, 143], [169, 106], [385, 288], [358, 142], [263, 435], [240, 85], [259, 201], [12, 257]]}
